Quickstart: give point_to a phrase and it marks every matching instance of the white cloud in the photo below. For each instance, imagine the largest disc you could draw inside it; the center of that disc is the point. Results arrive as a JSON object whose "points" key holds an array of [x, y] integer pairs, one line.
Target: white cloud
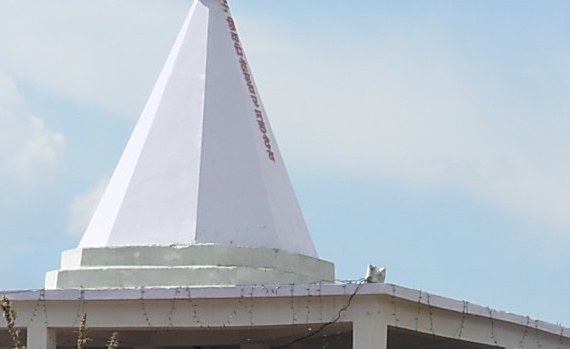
{"points": [[83, 206], [395, 104], [103, 53], [28, 149], [409, 109]]}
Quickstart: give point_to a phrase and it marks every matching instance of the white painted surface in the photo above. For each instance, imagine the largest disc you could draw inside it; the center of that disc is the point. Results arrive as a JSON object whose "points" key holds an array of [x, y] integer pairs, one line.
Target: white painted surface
{"points": [[185, 265], [266, 313], [40, 336], [197, 168]]}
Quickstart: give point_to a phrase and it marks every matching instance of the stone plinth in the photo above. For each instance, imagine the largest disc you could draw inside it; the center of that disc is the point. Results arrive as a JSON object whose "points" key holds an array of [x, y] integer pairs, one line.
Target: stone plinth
{"points": [[185, 265]]}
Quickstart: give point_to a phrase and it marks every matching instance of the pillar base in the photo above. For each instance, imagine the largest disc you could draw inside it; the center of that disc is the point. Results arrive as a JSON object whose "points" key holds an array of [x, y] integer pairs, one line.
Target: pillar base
{"points": [[185, 265]]}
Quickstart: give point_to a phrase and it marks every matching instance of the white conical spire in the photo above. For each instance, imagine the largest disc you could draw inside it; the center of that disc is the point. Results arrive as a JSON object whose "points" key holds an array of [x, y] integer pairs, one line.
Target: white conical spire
{"points": [[202, 165]]}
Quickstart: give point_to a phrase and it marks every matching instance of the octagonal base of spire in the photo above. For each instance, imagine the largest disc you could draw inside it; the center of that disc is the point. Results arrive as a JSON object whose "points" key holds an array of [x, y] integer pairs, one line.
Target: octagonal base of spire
{"points": [[185, 265]]}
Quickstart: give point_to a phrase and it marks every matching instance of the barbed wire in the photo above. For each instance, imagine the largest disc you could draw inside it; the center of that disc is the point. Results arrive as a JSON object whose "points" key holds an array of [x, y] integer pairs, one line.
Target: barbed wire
{"points": [[304, 302], [143, 307], [336, 318]]}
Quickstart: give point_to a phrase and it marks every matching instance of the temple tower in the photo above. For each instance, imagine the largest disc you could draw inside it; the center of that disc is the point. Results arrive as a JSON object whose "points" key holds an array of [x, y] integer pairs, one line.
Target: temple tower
{"points": [[201, 195]]}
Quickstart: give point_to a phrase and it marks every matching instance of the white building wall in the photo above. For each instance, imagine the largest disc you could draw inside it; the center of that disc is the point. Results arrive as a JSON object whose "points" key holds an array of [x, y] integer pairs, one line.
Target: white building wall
{"points": [[263, 316]]}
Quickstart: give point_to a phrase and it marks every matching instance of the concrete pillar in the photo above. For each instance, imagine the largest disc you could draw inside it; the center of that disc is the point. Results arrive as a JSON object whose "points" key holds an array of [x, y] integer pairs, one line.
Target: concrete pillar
{"points": [[369, 332], [41, 337]]}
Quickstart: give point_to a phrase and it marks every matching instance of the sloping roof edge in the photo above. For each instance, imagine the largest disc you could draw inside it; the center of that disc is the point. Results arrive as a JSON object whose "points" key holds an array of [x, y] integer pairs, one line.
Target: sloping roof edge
{"points": [[278, 291]]}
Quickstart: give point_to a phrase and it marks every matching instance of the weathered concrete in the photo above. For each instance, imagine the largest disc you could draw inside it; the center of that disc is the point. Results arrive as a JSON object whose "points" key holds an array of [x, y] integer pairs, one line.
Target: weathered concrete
{"points": [[186, 265]]}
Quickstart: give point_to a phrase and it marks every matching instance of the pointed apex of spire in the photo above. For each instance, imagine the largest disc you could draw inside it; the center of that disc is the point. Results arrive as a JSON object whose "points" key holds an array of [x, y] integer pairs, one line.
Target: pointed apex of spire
{"points": [[202, 165]]}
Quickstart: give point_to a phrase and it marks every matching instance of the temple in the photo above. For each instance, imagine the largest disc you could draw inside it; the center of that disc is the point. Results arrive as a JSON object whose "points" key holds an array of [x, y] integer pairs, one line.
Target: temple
{"points": [[199, 242]]}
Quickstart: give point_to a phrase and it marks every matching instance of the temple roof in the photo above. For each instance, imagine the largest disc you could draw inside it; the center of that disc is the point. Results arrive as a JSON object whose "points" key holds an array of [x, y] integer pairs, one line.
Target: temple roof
{"points": [[202, 165]]}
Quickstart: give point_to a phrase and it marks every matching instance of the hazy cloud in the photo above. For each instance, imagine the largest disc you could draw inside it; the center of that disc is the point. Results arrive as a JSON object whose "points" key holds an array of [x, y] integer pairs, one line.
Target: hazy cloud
{"points": [[83, 206], [104, 53], [28, 149], [410, 108], [404, 101]]}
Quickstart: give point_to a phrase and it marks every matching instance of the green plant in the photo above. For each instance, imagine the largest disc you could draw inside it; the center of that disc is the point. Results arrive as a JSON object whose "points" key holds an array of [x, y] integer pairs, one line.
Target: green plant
{"points": [[10, 316], [82, 333], [113, 342]]}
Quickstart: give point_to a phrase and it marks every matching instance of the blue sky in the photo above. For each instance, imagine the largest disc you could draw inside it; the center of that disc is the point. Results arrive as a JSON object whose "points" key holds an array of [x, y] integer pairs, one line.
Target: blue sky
{"points": [[429, 137]]}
